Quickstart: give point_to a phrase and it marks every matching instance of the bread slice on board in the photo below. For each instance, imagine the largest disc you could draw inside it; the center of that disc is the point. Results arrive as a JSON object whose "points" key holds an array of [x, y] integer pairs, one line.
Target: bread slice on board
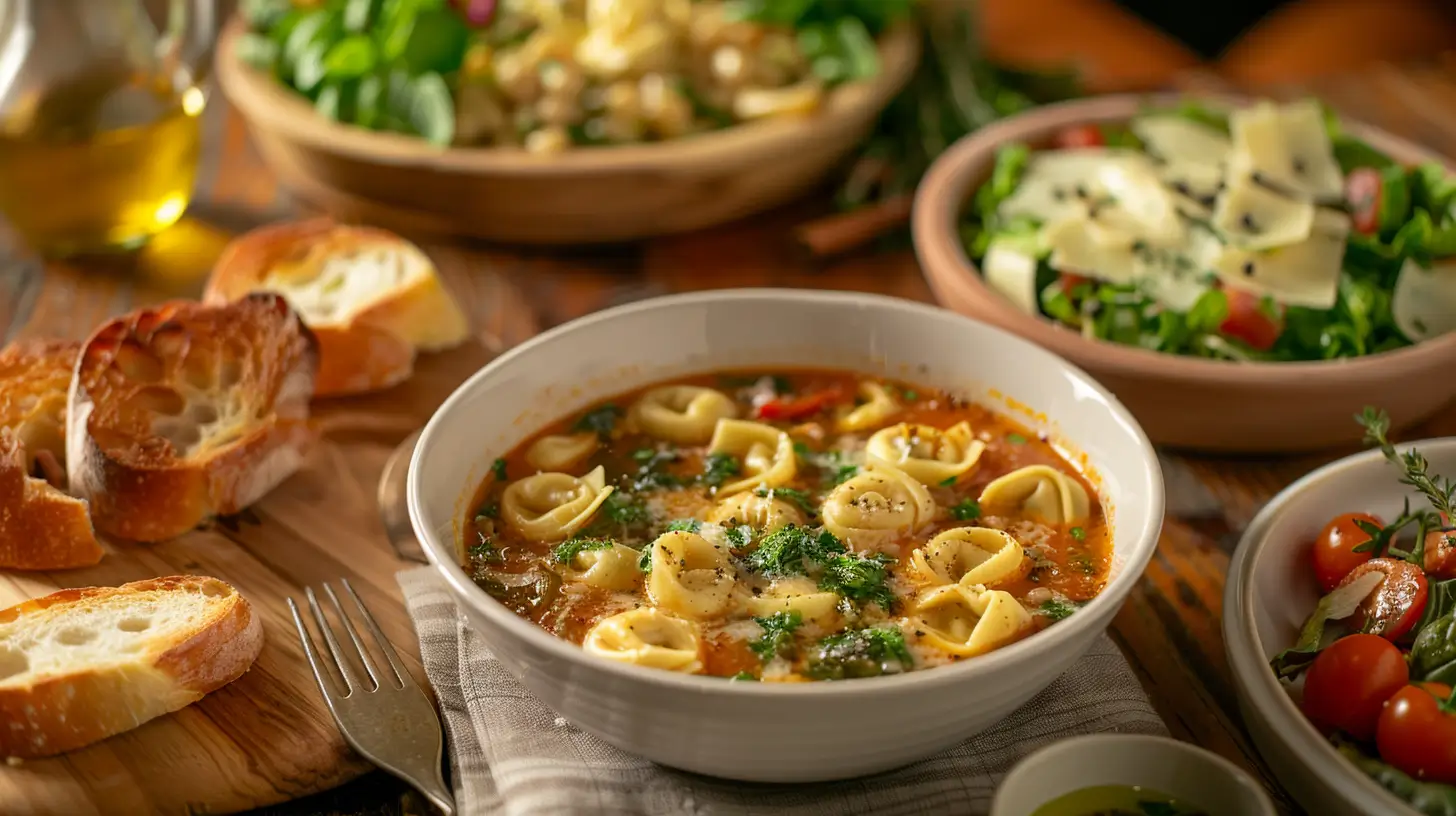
{"points": [[183, 411], [41, 527], [372, 298], [80, 665]]}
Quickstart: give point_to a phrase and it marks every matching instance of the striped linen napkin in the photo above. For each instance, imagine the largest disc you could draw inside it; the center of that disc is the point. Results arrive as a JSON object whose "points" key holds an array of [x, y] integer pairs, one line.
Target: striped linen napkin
{"points": [[511, 755]]}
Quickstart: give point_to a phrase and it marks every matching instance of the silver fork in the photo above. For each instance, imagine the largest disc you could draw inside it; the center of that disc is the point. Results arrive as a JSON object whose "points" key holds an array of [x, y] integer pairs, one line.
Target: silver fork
{"points": [[392, 724]]}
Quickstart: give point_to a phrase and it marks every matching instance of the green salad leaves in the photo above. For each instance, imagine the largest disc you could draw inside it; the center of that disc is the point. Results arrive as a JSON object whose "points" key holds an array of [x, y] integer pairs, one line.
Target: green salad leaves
{"points": [[1412, 217]]}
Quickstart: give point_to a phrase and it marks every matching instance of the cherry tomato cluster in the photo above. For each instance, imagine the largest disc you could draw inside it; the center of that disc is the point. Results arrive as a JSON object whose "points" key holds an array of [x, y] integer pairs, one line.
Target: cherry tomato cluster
{"points": [[1360, 684]]}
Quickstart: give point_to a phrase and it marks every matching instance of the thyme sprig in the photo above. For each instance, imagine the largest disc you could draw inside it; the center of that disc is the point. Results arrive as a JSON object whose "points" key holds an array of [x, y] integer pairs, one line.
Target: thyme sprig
{"points": [[1439, 492]]}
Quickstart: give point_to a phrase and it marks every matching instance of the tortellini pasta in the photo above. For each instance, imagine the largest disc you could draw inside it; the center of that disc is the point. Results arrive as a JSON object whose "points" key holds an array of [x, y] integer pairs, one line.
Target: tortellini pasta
{"points": [[763, 513], [878, 506], [552, 506], [929, 454], [879, 407], [561, 452], [647, 637], [685, 414], [813, 604], [613, 568], [765, 453], [970, 556], [1039, 492], [690, 575], [969, 621]]}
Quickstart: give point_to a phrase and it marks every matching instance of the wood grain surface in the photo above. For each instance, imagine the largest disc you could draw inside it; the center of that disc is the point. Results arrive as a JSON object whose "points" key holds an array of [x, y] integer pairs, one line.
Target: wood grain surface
{"points": [[266, 739]]}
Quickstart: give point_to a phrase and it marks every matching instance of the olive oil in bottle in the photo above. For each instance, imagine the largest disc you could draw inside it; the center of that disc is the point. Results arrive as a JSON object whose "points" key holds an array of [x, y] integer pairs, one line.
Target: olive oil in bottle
{"points": [[99, 162]]}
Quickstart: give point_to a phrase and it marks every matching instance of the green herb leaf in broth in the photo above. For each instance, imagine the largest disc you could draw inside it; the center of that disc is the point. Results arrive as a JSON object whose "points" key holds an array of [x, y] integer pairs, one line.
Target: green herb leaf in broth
{"points": [[793, 550], [719, 468], [860, 579], [567, 550], [601, 420], [1058, 609], [791, 495], [966, 509], [860, 653], [778, 635]]}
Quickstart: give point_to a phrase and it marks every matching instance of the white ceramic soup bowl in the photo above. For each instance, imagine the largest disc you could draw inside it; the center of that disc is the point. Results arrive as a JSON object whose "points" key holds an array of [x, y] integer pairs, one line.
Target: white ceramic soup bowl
{"points": [[1271, 591], [767, 731]]}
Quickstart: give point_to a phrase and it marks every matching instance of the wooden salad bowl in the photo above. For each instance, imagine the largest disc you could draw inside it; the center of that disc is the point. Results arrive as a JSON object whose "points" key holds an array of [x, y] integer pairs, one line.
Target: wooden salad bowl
{"points": [[586, 195], [1186, 402]]}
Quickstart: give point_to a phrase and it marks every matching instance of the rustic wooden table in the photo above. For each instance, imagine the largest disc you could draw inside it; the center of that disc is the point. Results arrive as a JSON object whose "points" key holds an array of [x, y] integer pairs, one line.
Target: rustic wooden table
{"points": [[1169, 628]]}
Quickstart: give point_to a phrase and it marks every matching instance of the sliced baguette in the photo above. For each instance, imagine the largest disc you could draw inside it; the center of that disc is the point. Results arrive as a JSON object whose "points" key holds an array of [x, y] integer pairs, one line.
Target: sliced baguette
{"points": [[184, 411], [372, 298], [81, 665], [41, 528], [34, 377]]}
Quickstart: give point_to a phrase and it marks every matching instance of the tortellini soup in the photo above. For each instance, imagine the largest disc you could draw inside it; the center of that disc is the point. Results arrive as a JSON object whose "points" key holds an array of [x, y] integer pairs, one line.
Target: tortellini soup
{"points": [[786, 527]]}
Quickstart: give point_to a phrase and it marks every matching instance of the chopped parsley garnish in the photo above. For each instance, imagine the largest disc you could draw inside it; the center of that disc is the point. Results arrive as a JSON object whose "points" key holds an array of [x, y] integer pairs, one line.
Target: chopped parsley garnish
{"points": [[860, 653], [644, 559], [744, 675], [909, 395], [599, 420], [1082, 562], [1078, 533], [860, 579], [684, 526], [781, 385], [948, 481], [778, 635], [650, 475], [790, 495], [1058, 609], [793, 550], [498, 470], [719, 468], [1016, 439], [567, 550], [624, 508], [841, 474], [966, 509], [486, 552], [738, 536], [488, 511], [831, 464]]}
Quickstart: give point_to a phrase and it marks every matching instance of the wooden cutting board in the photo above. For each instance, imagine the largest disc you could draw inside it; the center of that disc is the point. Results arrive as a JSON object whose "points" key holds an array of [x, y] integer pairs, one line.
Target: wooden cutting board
{"points": [[267, 737]]}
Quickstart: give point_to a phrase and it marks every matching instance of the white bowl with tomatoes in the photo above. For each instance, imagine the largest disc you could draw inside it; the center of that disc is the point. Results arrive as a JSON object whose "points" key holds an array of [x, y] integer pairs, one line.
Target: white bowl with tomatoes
{"points": [[1338, 623]]}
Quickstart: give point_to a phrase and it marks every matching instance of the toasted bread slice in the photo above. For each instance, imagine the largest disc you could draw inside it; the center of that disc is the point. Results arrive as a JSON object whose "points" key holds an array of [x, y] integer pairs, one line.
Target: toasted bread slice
{"points": [[80, 665], [372, 298], [34, 378], [41, 528], [185, 411]]}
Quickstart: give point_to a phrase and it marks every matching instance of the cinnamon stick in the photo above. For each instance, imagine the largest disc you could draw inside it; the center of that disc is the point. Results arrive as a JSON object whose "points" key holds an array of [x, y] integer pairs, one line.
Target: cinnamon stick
{"points": [[842, 232]]}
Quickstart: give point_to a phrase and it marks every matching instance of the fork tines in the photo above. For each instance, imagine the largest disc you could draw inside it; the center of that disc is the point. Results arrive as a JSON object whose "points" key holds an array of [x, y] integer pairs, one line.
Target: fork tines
{"points": [[380, 711]]}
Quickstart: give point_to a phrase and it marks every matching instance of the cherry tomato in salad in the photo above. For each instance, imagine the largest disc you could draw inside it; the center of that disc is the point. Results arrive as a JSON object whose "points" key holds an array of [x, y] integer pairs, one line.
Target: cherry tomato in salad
{"points": [[1080, 136], [1397, 602], [1334, 550], [1440, 552], [1248, 322], [1070, 281], [1362, 192], [1417, 733], [1349, 682], [793, 408]]}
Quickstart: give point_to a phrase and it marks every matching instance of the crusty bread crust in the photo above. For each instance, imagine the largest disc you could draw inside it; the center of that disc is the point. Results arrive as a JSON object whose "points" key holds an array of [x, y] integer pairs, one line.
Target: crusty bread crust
{"points": [[372, 345], [59, 713], [181, 412], [41, 528], [34, 378]]}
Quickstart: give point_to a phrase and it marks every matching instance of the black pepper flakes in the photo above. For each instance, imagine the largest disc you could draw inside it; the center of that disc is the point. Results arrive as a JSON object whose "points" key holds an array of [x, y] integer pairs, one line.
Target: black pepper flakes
{"points": [[1248, 269], [1248, 221]]}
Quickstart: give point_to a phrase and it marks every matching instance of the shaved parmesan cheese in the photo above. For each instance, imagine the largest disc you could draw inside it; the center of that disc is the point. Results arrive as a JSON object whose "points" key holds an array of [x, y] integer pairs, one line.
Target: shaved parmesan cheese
{"points": [[1139, 204], [1009, 269], [1253, 216], [1177, 277], [1302, 274], [1287, 145], [1424, 302], [1057, 183], [1193, 155], [1083, 246]]}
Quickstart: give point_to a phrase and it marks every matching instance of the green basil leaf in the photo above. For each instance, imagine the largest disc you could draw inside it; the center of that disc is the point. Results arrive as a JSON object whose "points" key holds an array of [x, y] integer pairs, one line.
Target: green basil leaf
{"points": [[351, 58]]}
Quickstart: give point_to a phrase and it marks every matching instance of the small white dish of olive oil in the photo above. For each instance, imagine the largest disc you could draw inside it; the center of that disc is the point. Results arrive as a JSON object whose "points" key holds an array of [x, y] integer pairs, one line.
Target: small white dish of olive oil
{"points": [[1131, 774]]}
